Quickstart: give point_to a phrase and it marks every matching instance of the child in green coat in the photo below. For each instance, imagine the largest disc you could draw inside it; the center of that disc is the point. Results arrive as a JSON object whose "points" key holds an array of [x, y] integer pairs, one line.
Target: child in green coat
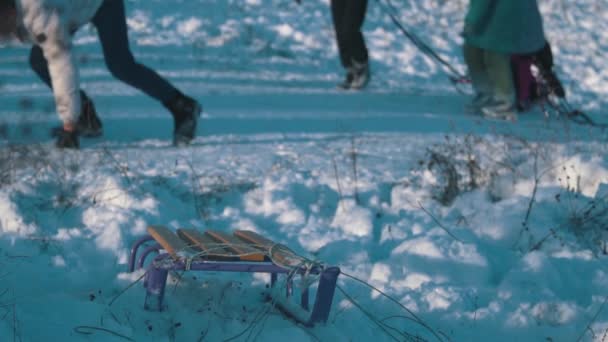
{"points": [[494, 30]]}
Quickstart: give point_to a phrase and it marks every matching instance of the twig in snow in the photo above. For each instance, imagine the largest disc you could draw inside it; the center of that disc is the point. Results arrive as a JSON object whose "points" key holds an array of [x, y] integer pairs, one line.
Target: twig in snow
{"points": [[122, 169], [337, 175], [402, 335], [593, 320], [365, 312], [15, 324], [18, 256], [534, 190], [309, 333], [398, 316], [415, 317], [537, 178], [193, 180], [448, 170], [438, 223], [262, 324], [5, 314], [541, 241], [114, 317], [353, 156], [88, 330], [263, 312], [203, 334], [126, 288]]}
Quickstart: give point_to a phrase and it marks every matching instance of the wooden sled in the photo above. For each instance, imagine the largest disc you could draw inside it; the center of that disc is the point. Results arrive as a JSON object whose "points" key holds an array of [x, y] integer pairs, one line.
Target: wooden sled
{"points": [[241, 251]]}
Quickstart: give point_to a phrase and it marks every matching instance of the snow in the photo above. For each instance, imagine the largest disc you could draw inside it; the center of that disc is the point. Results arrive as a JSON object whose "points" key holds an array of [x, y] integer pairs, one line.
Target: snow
{"points": [[511, 248]]}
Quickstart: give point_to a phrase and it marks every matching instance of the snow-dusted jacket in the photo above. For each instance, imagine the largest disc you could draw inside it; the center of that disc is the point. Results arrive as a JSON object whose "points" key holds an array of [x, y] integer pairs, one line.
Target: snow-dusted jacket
{"points": [[51, 24], [506, 26]]}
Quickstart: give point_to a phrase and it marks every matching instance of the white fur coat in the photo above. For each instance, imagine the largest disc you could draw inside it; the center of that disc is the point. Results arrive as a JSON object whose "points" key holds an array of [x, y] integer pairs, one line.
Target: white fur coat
{"points": [[51, 24]]}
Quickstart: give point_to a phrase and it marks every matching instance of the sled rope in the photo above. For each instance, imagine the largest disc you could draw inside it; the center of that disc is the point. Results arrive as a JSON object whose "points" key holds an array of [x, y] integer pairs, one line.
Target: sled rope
{"points": [[414, 317], [562, 108], [454, 75]]}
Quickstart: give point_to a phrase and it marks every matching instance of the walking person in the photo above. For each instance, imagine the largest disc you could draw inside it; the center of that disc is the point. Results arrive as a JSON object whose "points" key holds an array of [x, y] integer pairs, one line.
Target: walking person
{"points": [[494, 31], [348, 17], [50, 26]]}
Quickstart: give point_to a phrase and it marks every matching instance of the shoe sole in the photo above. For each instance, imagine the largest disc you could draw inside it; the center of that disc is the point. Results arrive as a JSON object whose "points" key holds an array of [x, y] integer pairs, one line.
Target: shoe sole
{"points": [[504, 118], [91, 134], [55, 131]]}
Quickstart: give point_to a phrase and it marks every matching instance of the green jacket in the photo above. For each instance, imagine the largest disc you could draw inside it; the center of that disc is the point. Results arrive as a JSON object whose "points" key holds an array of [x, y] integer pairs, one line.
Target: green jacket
{"points": [[506, 26]]}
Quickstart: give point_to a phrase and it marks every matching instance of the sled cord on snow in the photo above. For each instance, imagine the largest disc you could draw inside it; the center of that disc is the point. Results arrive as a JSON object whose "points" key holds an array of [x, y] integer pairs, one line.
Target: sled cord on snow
{"points": [[243, 251]]}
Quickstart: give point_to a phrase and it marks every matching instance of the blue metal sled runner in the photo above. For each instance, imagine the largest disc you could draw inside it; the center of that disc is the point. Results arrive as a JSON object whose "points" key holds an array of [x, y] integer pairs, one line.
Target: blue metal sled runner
{"points": [[243, 251]]}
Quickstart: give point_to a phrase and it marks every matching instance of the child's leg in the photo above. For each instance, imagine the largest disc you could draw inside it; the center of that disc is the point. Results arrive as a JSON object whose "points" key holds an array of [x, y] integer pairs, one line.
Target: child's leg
{"points": [[111, 25], [39, 64], [524, 80], [88, 122], [474, 58], [498, 68]]}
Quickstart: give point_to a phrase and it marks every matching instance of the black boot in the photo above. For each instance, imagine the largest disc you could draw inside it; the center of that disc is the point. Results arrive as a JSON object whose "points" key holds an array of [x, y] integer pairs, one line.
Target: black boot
{"points": [[361, 75], [88, 124], [554, 84], [543, 59], [357, 76], [348, 79], [186, 112], [66, 139]]}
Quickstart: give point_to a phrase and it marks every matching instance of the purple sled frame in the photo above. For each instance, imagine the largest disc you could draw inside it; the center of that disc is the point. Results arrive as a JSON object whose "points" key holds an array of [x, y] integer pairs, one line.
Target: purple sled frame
{"points": [[156, 278]]}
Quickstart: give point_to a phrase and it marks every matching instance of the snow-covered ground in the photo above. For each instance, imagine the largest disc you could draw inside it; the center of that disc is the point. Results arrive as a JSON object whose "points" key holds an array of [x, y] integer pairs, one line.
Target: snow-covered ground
{"points": [[482, 230]]}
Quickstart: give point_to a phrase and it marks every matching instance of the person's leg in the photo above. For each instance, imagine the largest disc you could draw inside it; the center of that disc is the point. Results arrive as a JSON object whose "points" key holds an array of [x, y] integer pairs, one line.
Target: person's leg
{"points": [[353, 22], [110, 21], [480, 82], [111, 25], [338, 12], [500, 73], [88, 124], [354, 16], [523, 79], [348, 16], [39, 64], [501, 76], [474, 59]]}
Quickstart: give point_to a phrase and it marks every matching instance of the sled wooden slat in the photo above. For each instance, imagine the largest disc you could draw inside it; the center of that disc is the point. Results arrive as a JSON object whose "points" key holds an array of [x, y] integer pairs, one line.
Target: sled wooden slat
{"points": [[237, 246], [168, 240], [258, 241], [210, 247], [254, 238]]}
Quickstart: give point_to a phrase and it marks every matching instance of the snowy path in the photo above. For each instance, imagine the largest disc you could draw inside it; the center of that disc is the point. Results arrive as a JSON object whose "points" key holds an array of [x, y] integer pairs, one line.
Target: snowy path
{"points": [[273, 98]]}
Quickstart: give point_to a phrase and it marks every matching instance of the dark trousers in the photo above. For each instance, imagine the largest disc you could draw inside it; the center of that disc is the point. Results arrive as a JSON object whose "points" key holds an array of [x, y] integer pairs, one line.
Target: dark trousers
{"points": [[348, 17], [111, 25]]}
